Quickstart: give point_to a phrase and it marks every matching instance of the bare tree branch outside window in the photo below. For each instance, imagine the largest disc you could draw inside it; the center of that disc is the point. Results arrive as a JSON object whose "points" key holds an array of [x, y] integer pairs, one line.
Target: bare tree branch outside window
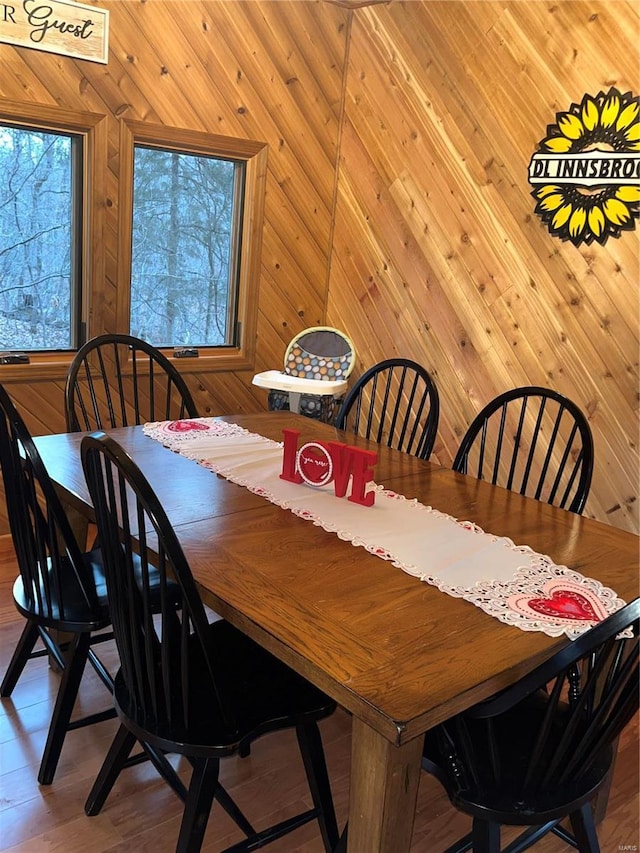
{"points": [[36, 234], [182, 287], [187, 211]]}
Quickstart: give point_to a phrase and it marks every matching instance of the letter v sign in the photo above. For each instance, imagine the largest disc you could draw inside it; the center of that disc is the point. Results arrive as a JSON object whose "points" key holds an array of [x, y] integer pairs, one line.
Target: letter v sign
{"points": [[355, 463]]}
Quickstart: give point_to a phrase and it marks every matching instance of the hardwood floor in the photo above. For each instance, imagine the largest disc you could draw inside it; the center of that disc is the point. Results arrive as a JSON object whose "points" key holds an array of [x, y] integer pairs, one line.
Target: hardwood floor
{"points": [[143, 814]]}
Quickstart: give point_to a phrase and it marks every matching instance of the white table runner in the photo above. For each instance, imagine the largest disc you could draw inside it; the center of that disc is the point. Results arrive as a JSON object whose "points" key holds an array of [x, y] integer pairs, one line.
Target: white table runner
{"points": [[510, 582]]}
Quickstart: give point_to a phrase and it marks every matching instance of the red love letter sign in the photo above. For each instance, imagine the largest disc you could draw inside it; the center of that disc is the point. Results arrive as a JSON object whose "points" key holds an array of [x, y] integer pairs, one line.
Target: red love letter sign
{"points": [[362, 462], [317, 463], [354, 463]]}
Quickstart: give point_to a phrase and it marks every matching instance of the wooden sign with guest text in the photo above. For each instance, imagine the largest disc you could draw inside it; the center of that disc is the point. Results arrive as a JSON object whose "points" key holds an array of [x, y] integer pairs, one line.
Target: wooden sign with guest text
{"points": [[56, 26], [318, 463]]}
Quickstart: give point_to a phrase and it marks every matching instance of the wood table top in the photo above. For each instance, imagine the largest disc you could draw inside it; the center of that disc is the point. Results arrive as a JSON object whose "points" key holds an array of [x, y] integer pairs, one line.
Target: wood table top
{"points": [[395, 651]]}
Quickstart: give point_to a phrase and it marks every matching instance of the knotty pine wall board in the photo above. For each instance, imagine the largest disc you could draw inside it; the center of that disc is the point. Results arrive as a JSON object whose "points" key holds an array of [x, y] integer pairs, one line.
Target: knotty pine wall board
{"points": [[445, 104], [402, 215], [265, 71]]}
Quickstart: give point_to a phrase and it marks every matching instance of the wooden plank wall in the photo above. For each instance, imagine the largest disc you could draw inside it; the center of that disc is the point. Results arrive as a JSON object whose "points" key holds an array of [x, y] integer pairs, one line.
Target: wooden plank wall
{"points": [[266, 71], [270, 72], [437, 254], [397, 204]]}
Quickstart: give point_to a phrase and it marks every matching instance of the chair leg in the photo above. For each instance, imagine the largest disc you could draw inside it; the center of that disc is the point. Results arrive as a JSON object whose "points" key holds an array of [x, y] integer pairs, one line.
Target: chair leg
{"points": [[204, 781], [315, 765], [65, 700], [584, 830], [164, 768], [486, 836], [462, 844], [234, 811], [565, 835], [101, 671], [113, 763], [341, 846], [21, 655]]}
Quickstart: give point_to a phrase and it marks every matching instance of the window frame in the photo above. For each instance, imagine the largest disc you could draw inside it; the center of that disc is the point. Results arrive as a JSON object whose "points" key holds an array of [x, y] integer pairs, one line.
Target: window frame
{"points": [[91, 128], [254, 156]]}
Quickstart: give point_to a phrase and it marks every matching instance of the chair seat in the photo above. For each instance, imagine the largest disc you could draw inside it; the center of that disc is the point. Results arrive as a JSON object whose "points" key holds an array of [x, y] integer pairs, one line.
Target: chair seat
{"points": [[480, 794], [186, 685], [261, 695], [56, 588], [77, 615], [538, 751]]}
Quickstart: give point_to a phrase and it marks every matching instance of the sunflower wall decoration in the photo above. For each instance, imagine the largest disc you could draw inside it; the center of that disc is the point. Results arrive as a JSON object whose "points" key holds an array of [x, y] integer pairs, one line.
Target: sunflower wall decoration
{"points": [[586, 172]]}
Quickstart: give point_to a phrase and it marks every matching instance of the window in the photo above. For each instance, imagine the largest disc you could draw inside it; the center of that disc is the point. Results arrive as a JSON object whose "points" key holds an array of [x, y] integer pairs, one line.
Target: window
{"points": [[53, 165], [172, 256], [40, 220], [190, 235], [187, 216]]}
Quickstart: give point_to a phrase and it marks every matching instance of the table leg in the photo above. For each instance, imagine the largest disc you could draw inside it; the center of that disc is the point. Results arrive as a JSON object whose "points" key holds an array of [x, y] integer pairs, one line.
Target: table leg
{"points": [[79, 527], [79, 524], [384, 790]]}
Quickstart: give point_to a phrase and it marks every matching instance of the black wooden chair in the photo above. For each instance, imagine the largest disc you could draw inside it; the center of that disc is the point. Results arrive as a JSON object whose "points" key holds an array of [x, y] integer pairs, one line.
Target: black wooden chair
{"points": [[532, 440], [538, 752], [396, 403], [60, 591], [119, 380], [185, 686]]}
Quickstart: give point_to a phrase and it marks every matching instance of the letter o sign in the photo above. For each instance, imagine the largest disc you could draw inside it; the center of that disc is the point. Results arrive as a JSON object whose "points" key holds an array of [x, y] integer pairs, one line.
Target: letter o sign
{"points": [[314, 464]]}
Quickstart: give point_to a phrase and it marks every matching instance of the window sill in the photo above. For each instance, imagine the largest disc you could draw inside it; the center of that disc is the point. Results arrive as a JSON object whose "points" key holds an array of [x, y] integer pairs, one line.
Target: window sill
{"points": [[211, 362], [55, 366], [37, 370]]}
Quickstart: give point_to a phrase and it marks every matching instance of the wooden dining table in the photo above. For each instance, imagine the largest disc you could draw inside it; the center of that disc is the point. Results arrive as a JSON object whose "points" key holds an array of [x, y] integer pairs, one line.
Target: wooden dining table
{"points": [[394, 651]]}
